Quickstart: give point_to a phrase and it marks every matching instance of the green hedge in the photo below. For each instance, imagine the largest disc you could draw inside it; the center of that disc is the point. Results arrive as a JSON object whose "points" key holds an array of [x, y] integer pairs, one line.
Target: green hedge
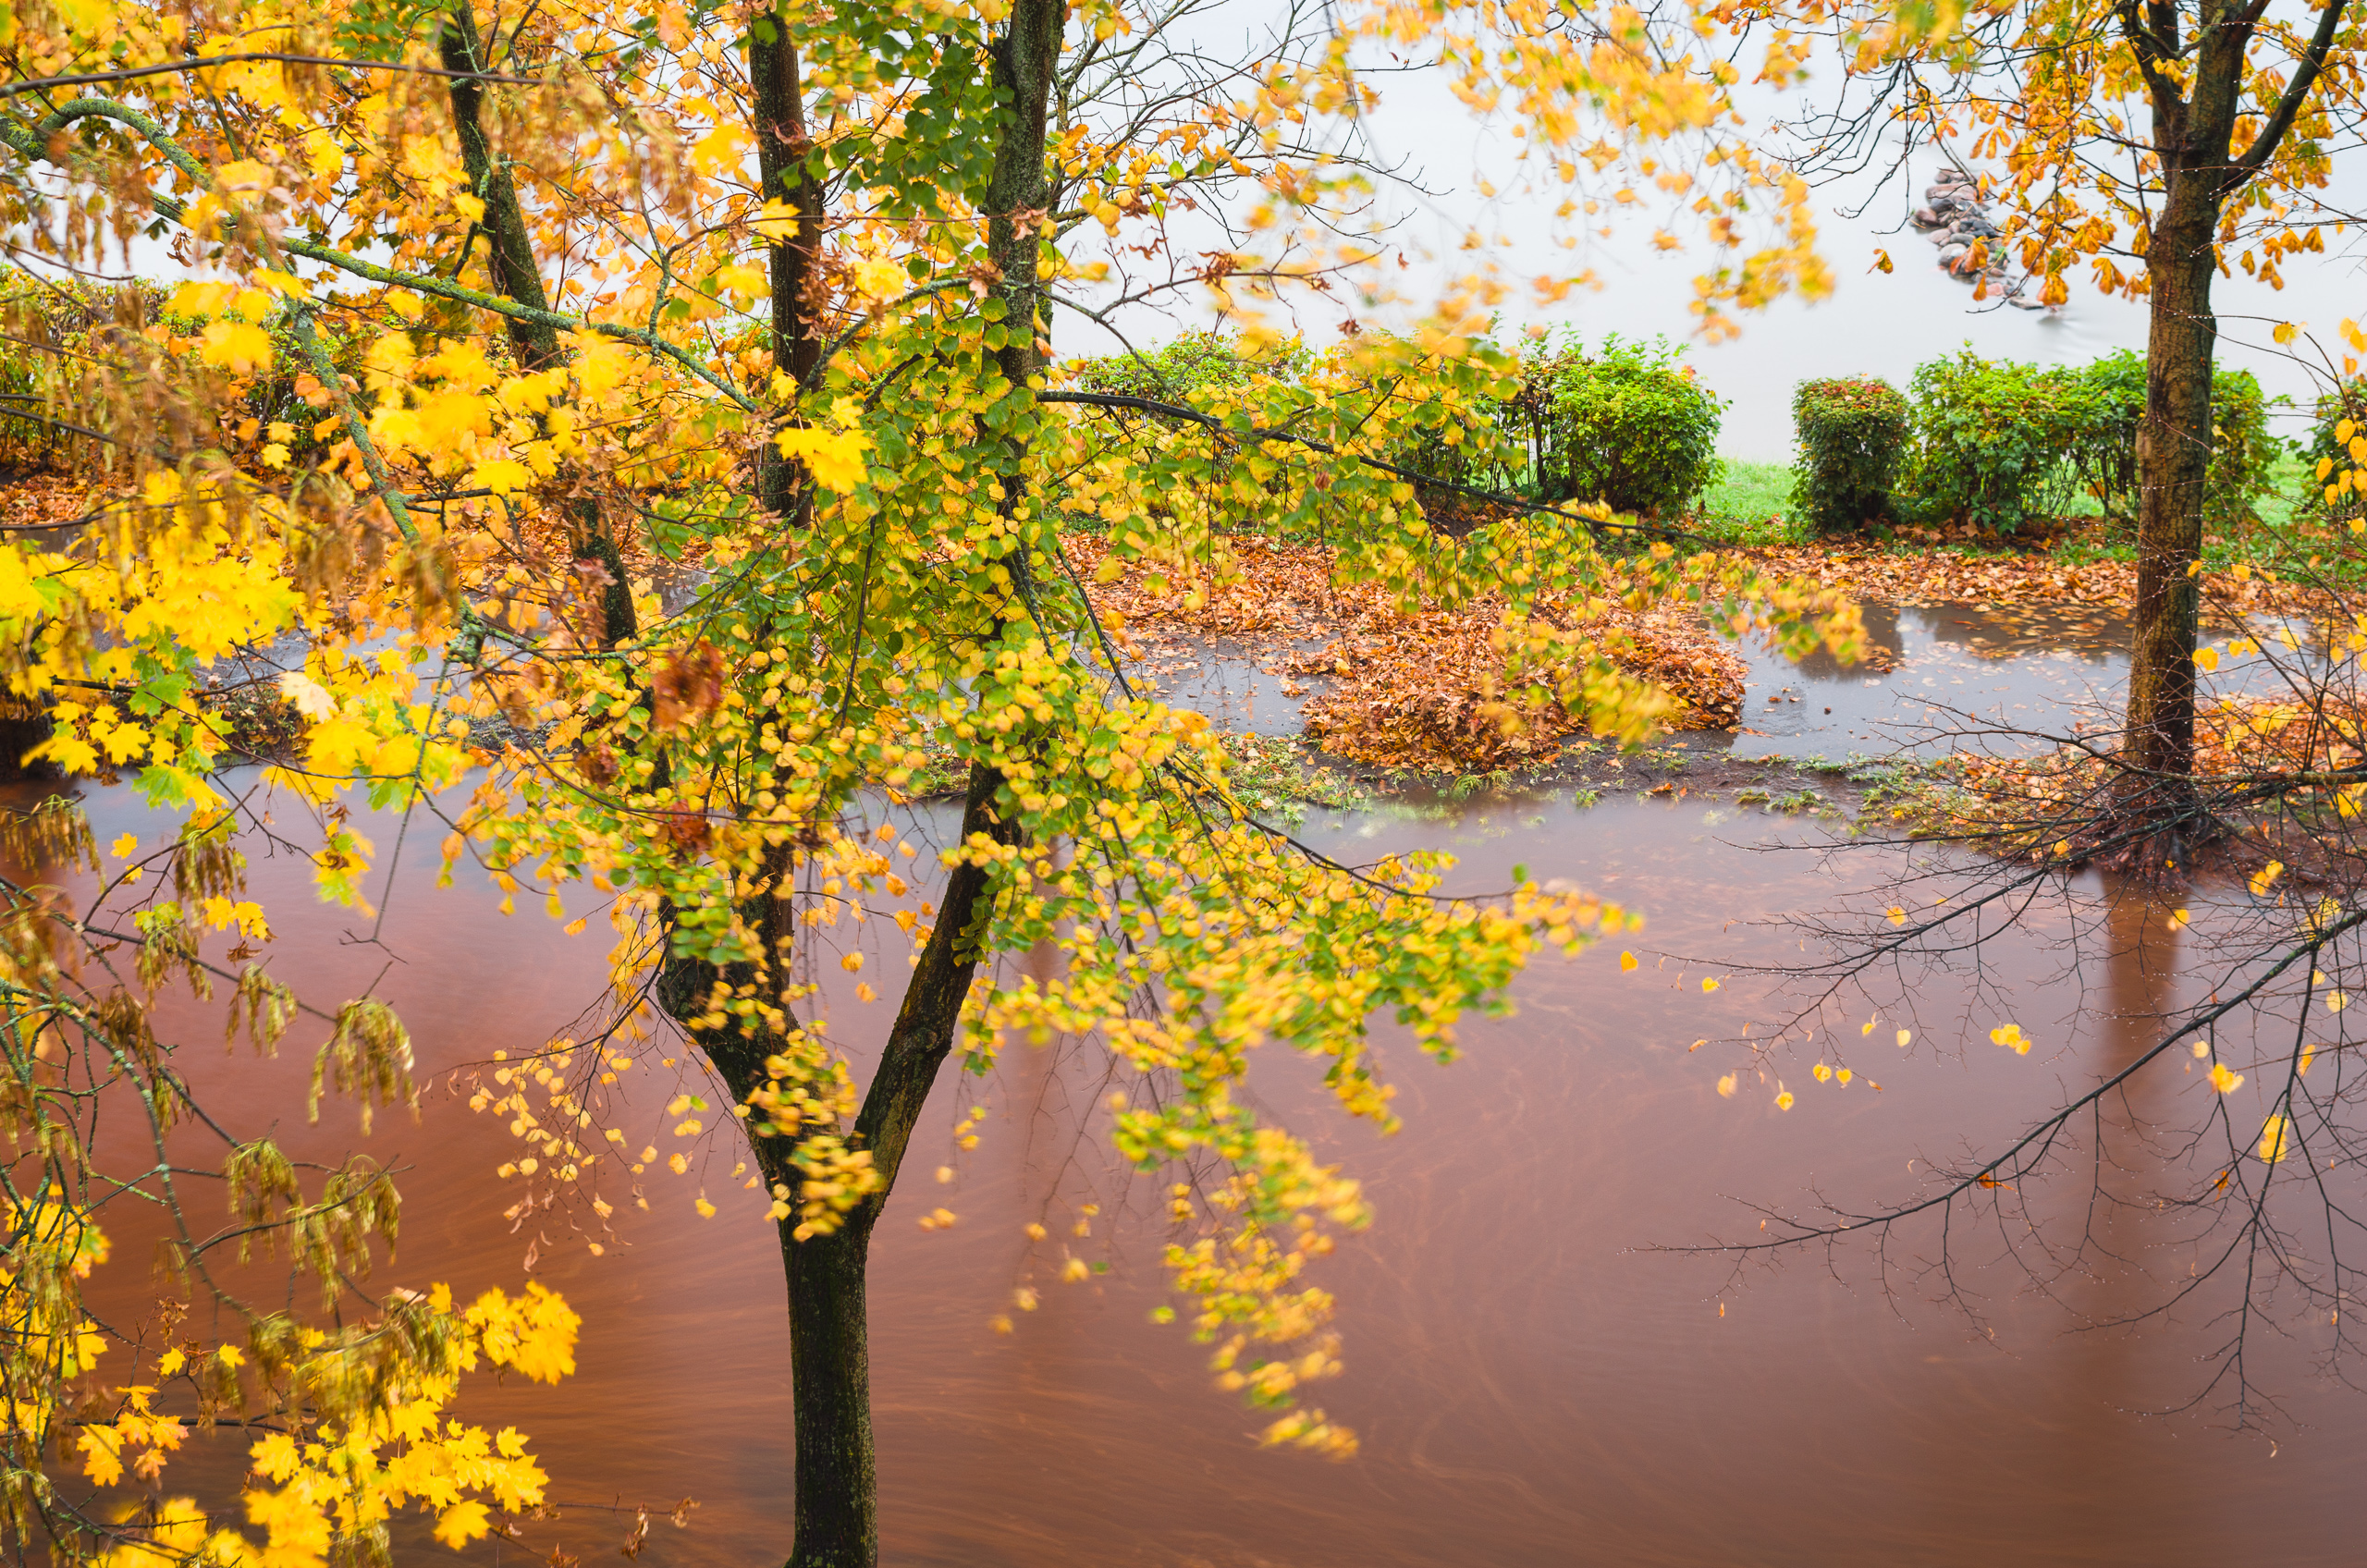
{"points": [[1193, 362], [2105, 453], [1626, 424], [1993, 440], [2243, 453], [2112, 393], [2000, 442], [1852, 434]]}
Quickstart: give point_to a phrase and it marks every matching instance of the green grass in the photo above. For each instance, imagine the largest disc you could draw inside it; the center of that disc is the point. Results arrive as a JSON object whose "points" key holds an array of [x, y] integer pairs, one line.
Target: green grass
{"points": [[2294, 485], [1278, 776], [2288, 539], [1750, 504]]}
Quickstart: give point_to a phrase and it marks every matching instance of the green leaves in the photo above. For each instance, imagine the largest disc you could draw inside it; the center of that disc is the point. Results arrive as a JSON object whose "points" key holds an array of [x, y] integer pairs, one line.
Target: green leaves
{"points": [[1995, 440], [1999, 441], [1852, 434], [1626, 425]]}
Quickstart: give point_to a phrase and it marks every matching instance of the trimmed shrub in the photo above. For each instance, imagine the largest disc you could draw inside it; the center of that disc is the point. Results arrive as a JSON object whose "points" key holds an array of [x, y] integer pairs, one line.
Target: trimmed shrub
{"points": [[2104, 450], [2108, 404], [1197, 360], [2243, 454], [1442, 418], [1852, 434], [1995, 440], [1628, 424]]}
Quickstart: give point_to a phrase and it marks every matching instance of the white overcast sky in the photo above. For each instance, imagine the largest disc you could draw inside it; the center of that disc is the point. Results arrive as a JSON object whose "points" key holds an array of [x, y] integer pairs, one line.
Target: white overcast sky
{"points": [[1872, 323]]}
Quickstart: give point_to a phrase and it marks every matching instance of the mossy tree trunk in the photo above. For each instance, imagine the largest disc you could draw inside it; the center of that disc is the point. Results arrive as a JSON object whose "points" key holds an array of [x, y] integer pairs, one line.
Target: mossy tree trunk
{"points": [[2196, 83]]}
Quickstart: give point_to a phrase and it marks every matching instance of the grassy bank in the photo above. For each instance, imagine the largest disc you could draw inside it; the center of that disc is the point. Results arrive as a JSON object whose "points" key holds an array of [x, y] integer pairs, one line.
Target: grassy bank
{"points": [[1750, 505]]}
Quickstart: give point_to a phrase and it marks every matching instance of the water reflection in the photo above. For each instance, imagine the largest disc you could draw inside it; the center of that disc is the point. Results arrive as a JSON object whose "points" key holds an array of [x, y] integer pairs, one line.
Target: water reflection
{"points": [[1530, 1389], [1932, 673], [1927, 669], [1237, 684]]}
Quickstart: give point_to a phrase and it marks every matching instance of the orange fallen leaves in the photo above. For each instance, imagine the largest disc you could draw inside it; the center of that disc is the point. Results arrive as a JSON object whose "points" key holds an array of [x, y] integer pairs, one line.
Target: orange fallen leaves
{"points": [[1420, 690], [1944, 577]]}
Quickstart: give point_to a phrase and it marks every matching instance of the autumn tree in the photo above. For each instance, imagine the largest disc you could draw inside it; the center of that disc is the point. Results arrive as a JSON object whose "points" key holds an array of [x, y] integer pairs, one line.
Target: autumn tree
{"points": [[2193, 1127], [482, 330], [2157, 145]]}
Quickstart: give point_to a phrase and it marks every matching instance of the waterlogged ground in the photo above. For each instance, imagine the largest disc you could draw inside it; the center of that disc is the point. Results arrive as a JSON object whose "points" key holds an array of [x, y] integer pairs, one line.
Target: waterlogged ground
{"points": [[1531, 1386]]}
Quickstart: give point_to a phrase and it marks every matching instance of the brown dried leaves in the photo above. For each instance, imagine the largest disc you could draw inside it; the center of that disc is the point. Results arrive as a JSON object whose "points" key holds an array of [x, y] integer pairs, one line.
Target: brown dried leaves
{"points": [[1424, 689]]}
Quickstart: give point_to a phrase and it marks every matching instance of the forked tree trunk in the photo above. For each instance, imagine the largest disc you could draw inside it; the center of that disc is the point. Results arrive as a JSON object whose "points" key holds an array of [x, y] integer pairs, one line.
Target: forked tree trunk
{"points": [[835, 1477], [2174, 462], [2198, 84], [837, 1498]]}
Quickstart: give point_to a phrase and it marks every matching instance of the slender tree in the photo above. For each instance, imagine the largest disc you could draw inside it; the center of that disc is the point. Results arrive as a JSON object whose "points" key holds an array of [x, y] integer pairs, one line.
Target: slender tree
{"points": [[2206, 1164], [2159, 144]]}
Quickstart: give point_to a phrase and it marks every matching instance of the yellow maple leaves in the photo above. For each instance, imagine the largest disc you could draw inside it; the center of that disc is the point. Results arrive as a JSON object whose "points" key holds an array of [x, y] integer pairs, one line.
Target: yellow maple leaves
{"points": [[237, 346], [367, 1455], [833, 457], [138, 1431], [533, 1334], [343, 1478], [181, 1533]]}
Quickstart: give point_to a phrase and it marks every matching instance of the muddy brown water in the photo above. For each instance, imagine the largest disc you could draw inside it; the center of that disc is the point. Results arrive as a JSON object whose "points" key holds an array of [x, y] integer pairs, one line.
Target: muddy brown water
{"points": [[1934, 673], [1531, 1387]]}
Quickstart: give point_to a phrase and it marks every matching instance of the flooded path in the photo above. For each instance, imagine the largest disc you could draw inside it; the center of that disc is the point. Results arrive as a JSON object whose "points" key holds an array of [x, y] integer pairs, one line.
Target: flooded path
{"points": [[1529, 1387]]}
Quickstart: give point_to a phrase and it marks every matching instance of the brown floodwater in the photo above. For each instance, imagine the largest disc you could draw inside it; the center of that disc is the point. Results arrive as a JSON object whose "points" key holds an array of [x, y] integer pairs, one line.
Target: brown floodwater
{"points": [[1533, 1383]]}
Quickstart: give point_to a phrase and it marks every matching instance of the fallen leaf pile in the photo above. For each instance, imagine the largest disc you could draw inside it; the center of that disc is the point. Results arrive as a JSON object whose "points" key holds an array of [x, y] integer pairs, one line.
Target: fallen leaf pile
{"points": [[1424, 688], [32, 499], [1943, 577], [2047, 804]]}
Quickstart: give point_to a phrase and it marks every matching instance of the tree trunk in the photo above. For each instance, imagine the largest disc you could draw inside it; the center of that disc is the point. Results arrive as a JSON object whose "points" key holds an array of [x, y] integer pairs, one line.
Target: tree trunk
{"points": [[510, 250], [836, 1491], [2199, 86], [509, 259], [829, 1366], [836, 1477], [2174, 461], [782, 145]]}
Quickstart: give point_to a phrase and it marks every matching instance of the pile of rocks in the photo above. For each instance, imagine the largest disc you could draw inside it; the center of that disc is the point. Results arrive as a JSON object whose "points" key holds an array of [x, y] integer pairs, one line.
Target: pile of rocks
{"points": [[1957, 222]]}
